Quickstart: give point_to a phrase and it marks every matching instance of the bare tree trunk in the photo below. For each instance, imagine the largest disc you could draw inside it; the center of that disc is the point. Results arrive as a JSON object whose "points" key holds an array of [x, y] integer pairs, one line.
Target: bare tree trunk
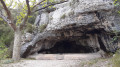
{"points": [[17, 45]]}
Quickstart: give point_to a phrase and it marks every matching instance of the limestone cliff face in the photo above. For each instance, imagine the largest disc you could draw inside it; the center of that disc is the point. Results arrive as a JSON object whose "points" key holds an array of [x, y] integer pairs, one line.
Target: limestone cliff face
{"points": [[86, 23]]}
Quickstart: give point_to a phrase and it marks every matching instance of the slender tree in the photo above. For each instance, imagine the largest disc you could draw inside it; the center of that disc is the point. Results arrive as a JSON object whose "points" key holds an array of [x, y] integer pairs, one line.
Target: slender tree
{"points": [[20, 24], [17, 28]]}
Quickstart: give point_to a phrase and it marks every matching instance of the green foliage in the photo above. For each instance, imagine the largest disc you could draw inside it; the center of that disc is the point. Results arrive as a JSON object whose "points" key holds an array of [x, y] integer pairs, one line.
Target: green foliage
{"points": [[21, 15], [6, 36], [116, 2], [23, 10], [2, 21], [30, 28], [32, 18], [44, 4], [32, 2], [3, 52]]}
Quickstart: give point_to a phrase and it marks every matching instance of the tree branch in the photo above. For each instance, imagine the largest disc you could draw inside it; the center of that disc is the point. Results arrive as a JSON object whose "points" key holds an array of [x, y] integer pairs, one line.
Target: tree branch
{"points": [[50, 5], [29, 11], [28, 6], [6, 9], [10, 4], [26, 16], [3, 17], [9, 19], [37, 4]]}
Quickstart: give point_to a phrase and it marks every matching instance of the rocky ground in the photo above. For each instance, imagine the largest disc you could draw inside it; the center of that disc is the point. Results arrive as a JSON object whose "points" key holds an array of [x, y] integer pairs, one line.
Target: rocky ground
{"points": [[86, 60], [61, 63]]}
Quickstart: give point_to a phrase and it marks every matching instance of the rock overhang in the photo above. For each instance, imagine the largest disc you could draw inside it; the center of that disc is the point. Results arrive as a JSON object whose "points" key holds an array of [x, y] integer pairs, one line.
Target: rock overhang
{"points": [[79, 12], [86, 22]]}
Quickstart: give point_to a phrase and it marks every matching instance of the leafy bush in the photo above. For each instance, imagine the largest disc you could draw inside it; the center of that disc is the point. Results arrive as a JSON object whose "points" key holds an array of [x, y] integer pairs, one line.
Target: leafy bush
{"points": [[6, 36], [3, 53]]}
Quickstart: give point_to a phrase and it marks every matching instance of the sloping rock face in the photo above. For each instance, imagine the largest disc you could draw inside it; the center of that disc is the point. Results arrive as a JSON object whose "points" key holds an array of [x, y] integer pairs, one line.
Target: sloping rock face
{"points": [[80, 23]]}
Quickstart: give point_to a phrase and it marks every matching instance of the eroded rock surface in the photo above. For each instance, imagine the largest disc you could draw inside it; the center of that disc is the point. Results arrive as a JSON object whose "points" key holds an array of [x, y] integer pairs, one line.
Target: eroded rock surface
{"points": [[81, 22]]}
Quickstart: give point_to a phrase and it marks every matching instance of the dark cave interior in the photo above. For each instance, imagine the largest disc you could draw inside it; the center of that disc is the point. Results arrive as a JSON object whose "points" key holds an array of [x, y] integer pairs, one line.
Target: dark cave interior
{"points": [[66, 47]]}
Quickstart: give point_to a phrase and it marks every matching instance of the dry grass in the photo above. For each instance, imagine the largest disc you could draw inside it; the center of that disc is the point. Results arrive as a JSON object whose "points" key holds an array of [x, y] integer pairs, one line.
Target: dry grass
{"points": [[116, 60]]}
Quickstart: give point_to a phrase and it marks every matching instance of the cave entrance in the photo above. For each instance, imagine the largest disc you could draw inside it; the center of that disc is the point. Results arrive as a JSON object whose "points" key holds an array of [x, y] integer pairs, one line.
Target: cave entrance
{"points": [[65, 47]]}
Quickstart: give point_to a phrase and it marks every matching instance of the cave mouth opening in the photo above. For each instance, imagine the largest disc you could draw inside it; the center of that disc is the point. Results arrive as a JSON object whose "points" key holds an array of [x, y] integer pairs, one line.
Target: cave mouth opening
{"points": [[67, 47]]}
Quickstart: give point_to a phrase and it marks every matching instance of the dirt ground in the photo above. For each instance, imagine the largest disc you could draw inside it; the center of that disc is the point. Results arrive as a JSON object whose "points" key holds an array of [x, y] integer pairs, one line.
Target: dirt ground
{"points": [[89, 60], [60, 63]]}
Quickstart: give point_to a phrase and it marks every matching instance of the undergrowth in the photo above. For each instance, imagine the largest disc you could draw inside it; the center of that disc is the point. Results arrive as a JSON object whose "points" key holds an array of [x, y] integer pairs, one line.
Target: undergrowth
{"points": [[116, 60]]}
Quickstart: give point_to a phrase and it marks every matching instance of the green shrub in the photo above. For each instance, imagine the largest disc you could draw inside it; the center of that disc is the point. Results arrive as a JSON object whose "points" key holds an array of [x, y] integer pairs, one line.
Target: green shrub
{"points": [[3, 53], [6, 36]]}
